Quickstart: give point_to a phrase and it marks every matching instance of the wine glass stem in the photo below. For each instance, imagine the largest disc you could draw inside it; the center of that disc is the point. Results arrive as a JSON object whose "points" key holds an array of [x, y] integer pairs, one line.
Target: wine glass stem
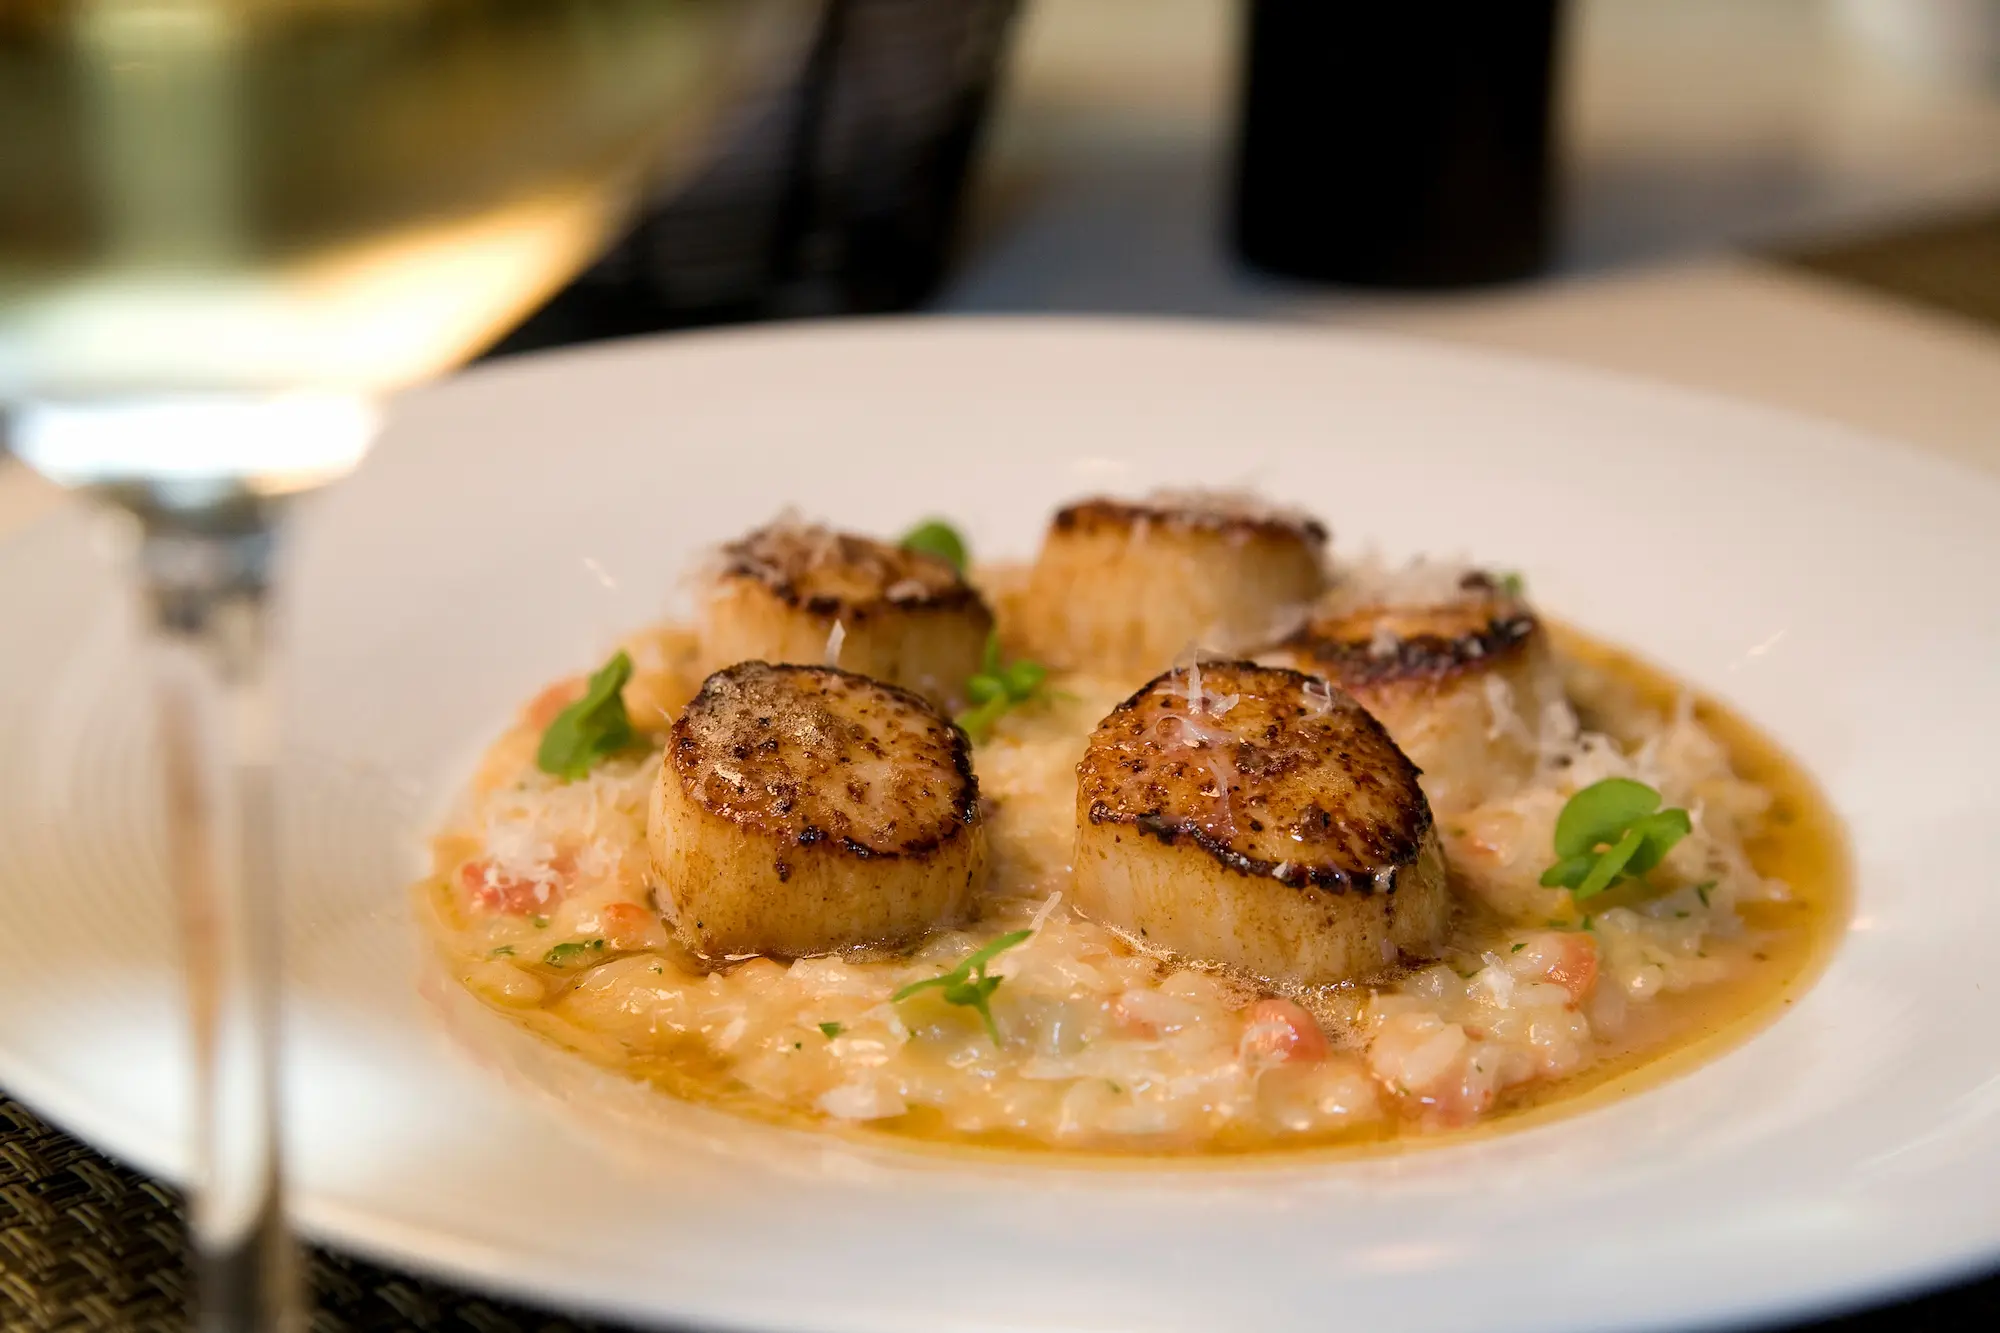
{"points": [[208, 593]]}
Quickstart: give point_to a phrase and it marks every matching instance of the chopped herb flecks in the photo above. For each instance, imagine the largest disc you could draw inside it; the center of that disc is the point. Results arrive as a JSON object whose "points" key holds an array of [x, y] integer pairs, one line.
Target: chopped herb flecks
{"points": [[562, 955], [831, 1030]]}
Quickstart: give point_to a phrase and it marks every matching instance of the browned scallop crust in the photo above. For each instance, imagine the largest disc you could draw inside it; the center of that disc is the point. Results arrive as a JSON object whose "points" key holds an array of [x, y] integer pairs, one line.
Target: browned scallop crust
{"points": [[1427, 674], [1275, 830], [1224, 516], [1121, 587], [844, 574], [797, 592], [806, 809], [1380, 647]]}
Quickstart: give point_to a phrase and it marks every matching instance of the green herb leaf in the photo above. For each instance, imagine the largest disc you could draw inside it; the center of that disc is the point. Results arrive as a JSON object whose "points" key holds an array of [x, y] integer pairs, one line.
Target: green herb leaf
{"points": [[967, 984], [1518, 947], [1601, 813], [504, 951], [1658, 833], [1024, 678], [1610, 831], [562, 955], [831, 1030], [591, 728], [1702, 890], [1609, 866], [978, 722], [1511, 583], [1568, 872], [939, 538], [994, 689]]}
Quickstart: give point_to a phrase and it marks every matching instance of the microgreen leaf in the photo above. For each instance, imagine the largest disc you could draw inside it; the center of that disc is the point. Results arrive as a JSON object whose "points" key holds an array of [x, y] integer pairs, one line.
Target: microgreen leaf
{"points": [[1610, 831], [1511, 583], [1609, 866], [591, 728], [831, 1030], [995, 688], [1568, 872], [980, 957], [1601, 813], [967, 984], [939, 538], [562, 955], [978, 722], [1024, 678], [1659, 832]]}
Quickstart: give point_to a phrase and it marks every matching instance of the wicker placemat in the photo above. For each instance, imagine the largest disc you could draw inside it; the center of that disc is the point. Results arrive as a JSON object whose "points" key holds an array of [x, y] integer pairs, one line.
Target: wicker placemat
{"points": [[86, 1244]]}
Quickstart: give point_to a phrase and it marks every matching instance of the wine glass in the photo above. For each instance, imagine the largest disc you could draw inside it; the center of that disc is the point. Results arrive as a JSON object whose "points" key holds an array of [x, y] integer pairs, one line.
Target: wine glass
{"points": [[226, 227]]}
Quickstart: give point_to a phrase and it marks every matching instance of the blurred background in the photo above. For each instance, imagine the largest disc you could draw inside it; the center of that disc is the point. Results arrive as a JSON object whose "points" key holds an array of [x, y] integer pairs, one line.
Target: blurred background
{"points": [[1795, 201], [1079, 155]]}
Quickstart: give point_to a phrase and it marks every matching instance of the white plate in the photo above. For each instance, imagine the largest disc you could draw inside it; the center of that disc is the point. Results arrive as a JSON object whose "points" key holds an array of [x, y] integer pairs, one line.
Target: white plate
{"points": [[516, 518]]}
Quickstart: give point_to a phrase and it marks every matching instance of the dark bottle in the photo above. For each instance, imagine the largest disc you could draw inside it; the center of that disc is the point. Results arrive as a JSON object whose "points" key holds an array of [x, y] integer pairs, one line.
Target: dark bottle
{"points": [[1402, 144]]}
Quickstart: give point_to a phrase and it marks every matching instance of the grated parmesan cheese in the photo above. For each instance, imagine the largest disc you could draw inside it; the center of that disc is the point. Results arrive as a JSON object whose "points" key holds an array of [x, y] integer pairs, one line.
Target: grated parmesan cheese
{"points": [[1375, 580]]}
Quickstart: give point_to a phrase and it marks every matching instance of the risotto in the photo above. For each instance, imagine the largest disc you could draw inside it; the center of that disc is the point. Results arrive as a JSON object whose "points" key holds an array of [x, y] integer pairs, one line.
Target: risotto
{"points": [[1075, 1027]]}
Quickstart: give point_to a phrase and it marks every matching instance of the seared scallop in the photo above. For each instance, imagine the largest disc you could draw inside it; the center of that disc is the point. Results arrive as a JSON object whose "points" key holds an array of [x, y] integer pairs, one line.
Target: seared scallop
{"points": [[795, 592], [800, 810], [1461, 682], [1122, 587], [1258, 819]]}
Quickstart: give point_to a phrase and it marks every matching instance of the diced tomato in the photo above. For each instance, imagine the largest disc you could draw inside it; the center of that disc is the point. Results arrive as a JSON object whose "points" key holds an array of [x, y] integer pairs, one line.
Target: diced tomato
{"points": [[543, 709], [629, 926], [507, 894], [1575, 966], [1277, 1029]]}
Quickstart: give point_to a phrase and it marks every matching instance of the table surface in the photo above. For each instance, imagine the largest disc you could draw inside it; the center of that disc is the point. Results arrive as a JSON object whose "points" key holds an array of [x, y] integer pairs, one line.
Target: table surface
{"points": [[1099, 194]]}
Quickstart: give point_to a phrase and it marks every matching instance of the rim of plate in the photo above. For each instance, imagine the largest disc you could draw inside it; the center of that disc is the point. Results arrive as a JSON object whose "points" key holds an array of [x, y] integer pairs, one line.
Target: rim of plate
{"points": [[822, 356]]}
